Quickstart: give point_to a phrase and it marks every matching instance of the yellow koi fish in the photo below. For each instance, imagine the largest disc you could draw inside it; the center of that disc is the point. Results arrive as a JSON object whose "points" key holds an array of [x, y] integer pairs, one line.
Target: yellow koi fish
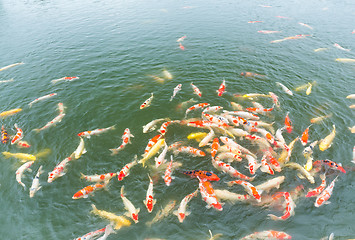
{"points": [[24, 157], [154, 150], [345, 60], [120, 221], [303, 171], [167, 74], [286, 154], [327, 141], [320, 119], [10, 112], [309, 88], [198, 136]]}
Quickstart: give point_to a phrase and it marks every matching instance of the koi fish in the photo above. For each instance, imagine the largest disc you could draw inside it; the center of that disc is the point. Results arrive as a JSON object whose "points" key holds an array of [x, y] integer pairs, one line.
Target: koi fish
{"points": [[251, 74], [181, 39], [91, 235], [56, 120], [265, 167], [270, 234], [301, 169], [309, 89], [230, 170], [190, 150], [162, 213], [345, 60], [320, 119], [151, 126], [196, 90], [126, 138], [230, 196], [125, 170], [108, 231], [152, 151], [10, 112], [243, 114], [304, 137], [167, 175], [18, 136], [289, 38], [234, 155], [120, 221], [21, 170], [64, 79], [305, 25], [132, 211], [315, 192], [5, 81], [325, 195], [288, 123], [326, 143], [320, 49], [149, 201], [42, 98], [215, 145], [86, 191], [255, 21], [181, 213], [284, 88], [198, 136], [331, 164], [181, 46], [290, 207], [176, 90], [80, 150], [219, 120], [88, 134], [151, 143], [353, 155], [161, 158], [268, 31], [222, 88], [4, 135], [203, 175], [340, 47], [252, 164], [157, 79], [35, 183], [147, 102], [23, 156], [196, 106], [59, 170], [10, 66], [251, 190], [236, 106], [23, 144], [270, 184], [98, 178], [167, 74], [273, 161], [208, 195]]}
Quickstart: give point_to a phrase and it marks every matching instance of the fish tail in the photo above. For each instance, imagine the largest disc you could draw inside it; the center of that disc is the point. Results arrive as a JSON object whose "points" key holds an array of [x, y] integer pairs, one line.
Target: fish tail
{"points": [[122, 191], [7, 154], [114, 151], [94, 209], [37, 130], [54, 81], [82, 176]]}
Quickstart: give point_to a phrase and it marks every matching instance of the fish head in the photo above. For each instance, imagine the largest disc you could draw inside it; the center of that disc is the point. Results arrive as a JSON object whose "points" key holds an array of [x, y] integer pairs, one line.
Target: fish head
{"points": [[120, 176], [135, 217], [81, 134], [51, 177], [217, 206], [181, 217]]}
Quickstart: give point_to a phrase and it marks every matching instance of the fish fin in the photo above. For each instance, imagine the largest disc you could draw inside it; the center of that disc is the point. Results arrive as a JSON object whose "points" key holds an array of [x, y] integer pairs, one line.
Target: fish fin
{"points": [[327, 202], [86, 196], [176, 213], [127, 214], [82, 175], [144, 201], [208, 206], [187, 213], [62, 174], [88, 136], [137, 210], [114, 151], [39, 188], [154, 201], [84, 151]]}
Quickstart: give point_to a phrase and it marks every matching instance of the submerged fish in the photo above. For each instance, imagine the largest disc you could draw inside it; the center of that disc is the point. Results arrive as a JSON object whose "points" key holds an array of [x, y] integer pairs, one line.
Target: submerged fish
{"points": [[10, 66], [10, 112], [120, 221]]}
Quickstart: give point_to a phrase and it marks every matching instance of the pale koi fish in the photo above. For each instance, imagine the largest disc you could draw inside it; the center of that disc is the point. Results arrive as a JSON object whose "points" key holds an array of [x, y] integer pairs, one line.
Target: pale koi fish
{"points": [[99, 177], [290, 207], [161, 158], [230, 196], [305, 25], [212, 109], [147, 102], [132, 211], [320, 119], [80, 149], [164, 126], [320, 49], [181, 39], [151, 126], [181, 213], [270, 184], [10, 66], [213, 237], [268, 31], [207, 139], [64, 79], [269, 234], [230, 170], [42, 98], [35, 183], [327, 141], [167, 74], [176, 90], [265, 167], [196, 90], [91, 235], [251, 190], [153, 150], [126, 138], [302, 170], [284, 88], [243, 114], [157, 79], [325, 195], [341, 48], [253, 165], [162, 213], [345, 60], [230, 156], [21, 170], [6, 81], [289, 38], [108, 230], [55, 120], [88, 134], [120, 221], [61, 108], [59, 170]]}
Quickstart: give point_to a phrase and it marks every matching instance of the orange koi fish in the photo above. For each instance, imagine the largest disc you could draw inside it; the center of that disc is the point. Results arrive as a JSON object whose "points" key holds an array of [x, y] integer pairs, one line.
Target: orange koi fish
{"points": [[315, 192], [181, 46], [251, 190], [10, 112], [18, 136], [126, 138], [290, 206], [196, 90], [149, 200], [196, 106], [288, 123], [23, 144], [215, 145], [208, 195], [4, 135], [304, 137], [203, 175], [222, 88], [147, 102], [325, 195], [84, 193]]}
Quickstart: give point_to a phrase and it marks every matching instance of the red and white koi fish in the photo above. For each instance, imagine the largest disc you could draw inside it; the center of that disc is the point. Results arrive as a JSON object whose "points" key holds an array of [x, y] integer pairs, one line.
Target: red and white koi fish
{"points": [[181, 39], [325, 195], [92, 235], [305, 25], [260, 110], [255, 21], [222, 88], [132, 211], [251, 190], [212, 109], [161, 158], [152, 142], [284, 88], [273, 161], [125, 170], [282, 17], [304, 137], [64, 79], [290, 207], [23, 144], [331, 164], [278, 134], [265, 167], [164, 126], [126, 138], [181, 213], [59, 170], [196, 90], [243, 114], [266, 135], [55, 120], [253, 165], [147, 102], [176, 90], [149, 200], [61, 108], [270, 234], [18, 136], [229, 142], [42, 98], [215, 119], [196, 106], [88, 134], [181, 46], [175, 145], [167, 175], [288, 123], [35, 183], [98, 178], [275, 99], [315, 192], [215, 145], [230, 170], [84, 193], [299, 36], [190, 150], [208, 195], [80, 150], [151, 126], [10, 66], [341, 48], [21, 170], [268, 31]]}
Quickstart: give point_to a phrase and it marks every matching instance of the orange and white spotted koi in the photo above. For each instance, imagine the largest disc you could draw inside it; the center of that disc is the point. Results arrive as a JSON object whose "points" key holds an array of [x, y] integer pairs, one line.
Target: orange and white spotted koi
{"points": [[149, 200], [42, 98], [243, 114], [152, 142], [64, 79], [304, 137], [147, 102], [273, 161], [231, 119], [51, 123], [229, 142], [230, 156], [196, 106], [126, 138], [269, 234], [226, 148], [132, 211], [212, 109], [61, 108], [259, 109], [88, 134], [181, 213], [214, 147], [251, 190], [208, 195], [190, 150], [275, 99], [265, 167], [181, 46], [266, 134], [99, 177], [230, 170], [125, 170], [167, 175], [222, 88], [203, 124], [175, 145], [315, 192], [325, 195], [18, 136], [253, 165], [181, 39], [21, 170], [164, 126], [196, 90], [92, 235], [86, 191], [288, 123], [290, 206], [59, 170], [23, 144], [340, 47], [215, 120], [152, 124]]}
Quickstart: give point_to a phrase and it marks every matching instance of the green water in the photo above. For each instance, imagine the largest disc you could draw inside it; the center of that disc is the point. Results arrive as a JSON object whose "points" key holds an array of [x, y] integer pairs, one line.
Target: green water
{"points": [[113, 46]]}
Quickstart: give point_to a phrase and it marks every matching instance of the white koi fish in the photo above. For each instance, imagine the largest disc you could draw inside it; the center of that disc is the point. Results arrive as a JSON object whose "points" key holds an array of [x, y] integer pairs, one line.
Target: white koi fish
{"points": [[147, 102], [42, 98], [91, 235], [161, 158], [268, 31], [284, 88], [243, 114], [55, 120], [230, 196], [88, 134], [305, 25], [149, 201], [59, 170], [6, 81], [35, 183], [270, 184], [126, 138], [181, 213], [10, 66], [207, 139], [132, 211], [64, 79], [21, 170], [98, 178], [151, 126], [341, 48], [176, 90], [80, 149], [196, 90]]}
